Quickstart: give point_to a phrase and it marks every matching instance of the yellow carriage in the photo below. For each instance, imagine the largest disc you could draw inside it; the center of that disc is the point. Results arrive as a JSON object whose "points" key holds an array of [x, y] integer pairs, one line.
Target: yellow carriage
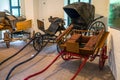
{"points": [[13, 25]]}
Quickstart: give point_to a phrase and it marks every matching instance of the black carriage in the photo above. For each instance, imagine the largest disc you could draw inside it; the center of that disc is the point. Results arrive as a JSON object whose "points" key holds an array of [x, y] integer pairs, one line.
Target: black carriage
{"points": [[50, 34]]}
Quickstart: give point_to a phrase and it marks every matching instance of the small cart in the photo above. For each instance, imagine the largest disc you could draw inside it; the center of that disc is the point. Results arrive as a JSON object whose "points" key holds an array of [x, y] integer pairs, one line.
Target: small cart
{"points": [[75, 44]]}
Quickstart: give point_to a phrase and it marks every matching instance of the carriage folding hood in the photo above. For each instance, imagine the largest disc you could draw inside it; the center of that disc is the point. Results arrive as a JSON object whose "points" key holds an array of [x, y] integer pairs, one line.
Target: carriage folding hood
{"points": [[80, 13]]}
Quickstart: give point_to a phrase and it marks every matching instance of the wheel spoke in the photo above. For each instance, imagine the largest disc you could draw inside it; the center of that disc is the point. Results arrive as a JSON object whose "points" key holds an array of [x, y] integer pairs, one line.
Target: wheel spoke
{"points": [[97, 26]]}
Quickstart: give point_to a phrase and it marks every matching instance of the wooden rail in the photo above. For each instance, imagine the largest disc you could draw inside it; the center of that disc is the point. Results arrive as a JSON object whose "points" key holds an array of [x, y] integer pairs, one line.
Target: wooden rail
{"points": [[66, 32]]}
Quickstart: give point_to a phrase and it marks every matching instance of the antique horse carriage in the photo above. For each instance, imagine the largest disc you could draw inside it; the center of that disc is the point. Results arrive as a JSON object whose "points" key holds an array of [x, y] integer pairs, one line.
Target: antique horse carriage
{"points": [[84, 39], [56, 27], [13, 26]]}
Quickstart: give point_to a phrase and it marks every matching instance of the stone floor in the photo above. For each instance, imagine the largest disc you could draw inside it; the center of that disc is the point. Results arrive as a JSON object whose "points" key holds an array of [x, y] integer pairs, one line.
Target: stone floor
{"points": [[60, 70]]}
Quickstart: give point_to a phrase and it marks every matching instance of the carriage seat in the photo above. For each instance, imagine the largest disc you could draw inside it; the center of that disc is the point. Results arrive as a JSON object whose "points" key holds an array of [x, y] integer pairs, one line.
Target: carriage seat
{"points": [[72, 44], [51, 30], [75, 38], [90, 43], [94, 40]]}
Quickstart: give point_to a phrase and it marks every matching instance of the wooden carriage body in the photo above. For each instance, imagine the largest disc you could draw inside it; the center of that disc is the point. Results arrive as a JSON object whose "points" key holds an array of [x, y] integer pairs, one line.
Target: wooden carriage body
{"points": [[77, 41], [13, 25], [83, 45]]}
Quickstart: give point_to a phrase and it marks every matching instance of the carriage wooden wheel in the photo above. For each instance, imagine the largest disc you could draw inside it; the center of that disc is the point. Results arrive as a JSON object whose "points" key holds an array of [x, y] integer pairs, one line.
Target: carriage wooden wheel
{"points": [[38, 42], [102, 57], [97, 26], [58, 46], [66, 56]]}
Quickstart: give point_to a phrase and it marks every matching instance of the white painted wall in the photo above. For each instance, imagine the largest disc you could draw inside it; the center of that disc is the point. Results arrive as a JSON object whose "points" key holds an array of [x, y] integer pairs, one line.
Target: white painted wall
{"points": [[4, 4], [36, 13], [49, 8], [101, 9], [114, 52], [31, 11]]}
